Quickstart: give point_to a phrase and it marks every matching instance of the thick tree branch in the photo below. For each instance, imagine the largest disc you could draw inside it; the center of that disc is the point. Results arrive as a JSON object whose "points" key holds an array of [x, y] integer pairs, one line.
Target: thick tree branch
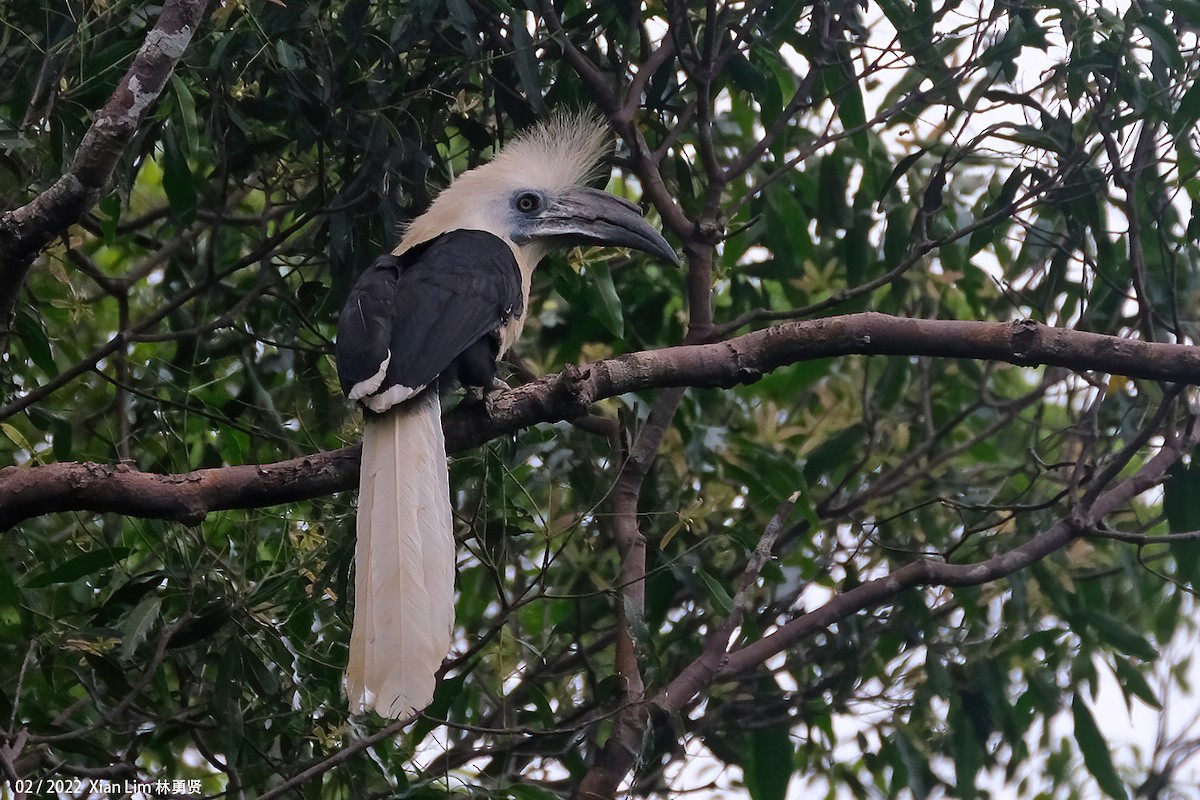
{"points": [[185, 497], [31, 491], [25, 231], [625, 742]]}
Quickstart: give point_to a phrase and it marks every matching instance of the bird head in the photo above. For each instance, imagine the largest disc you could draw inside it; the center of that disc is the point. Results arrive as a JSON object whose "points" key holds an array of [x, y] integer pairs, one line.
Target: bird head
{"points": [[534, 195]]}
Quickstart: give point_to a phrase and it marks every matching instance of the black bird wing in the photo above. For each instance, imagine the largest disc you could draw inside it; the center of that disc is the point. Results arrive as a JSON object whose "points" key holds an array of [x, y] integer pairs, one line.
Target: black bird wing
{"points": [[410, 316]]}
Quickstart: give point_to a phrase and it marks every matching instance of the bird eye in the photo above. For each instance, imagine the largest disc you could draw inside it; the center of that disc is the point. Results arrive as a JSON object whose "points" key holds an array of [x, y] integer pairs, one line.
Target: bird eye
{"points": [[528, 202]]}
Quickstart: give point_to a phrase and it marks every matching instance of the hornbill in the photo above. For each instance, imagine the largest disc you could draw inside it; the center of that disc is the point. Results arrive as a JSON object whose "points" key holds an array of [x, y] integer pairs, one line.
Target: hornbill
{"points": [[438, 310]]}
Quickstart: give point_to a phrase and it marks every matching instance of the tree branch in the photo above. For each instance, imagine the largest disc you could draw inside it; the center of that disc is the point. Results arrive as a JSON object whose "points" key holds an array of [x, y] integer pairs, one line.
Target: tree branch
{"points": [[625, 742], [341, 756], [25, 232], [926, 572], [27, 492], [139, 331], [704, 668]]}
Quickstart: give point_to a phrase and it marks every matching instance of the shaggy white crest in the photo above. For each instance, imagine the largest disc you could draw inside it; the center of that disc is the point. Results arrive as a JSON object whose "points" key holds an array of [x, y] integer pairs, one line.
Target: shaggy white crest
{"points": [[563, 150]]}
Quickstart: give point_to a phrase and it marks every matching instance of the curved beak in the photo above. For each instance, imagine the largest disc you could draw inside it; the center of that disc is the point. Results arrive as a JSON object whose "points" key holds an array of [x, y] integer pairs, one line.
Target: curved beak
{"points": [[584, 215]]}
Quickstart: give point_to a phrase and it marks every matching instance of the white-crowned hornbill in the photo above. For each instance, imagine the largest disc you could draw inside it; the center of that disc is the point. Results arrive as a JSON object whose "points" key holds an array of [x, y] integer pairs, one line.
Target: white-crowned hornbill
{"points": [[441, 309]]}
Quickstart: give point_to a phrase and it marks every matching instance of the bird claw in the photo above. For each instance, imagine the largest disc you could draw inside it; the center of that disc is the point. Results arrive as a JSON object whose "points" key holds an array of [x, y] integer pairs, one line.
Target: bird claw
{"points": [[486, 395], [490, 394]]}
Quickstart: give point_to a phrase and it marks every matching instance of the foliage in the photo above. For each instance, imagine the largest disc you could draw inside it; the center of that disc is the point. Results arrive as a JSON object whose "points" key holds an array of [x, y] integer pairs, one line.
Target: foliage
{"points": [[990, 162]]}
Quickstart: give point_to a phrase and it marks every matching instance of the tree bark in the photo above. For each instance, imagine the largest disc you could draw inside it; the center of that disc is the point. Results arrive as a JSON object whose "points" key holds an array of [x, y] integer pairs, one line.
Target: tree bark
{"points": [[26, 231], [27, 492]]}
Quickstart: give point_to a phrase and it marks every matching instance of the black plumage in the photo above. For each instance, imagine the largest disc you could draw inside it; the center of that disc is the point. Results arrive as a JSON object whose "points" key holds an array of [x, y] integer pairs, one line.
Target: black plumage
{"points": [[434, 310]]}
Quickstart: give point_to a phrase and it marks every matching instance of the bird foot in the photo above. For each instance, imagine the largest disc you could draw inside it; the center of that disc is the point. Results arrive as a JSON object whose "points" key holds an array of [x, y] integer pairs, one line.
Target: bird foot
{"points": [[486, 395], [491, 394]]}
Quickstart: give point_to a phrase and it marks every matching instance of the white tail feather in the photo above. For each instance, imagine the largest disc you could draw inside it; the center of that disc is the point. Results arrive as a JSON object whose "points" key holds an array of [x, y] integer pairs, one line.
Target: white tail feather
{"points": [[404, 562]]}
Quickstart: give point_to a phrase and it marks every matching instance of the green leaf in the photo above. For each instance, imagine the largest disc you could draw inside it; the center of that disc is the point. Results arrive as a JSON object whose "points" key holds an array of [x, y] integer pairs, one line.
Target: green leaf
{"points": [[770, 766], [264, 678], [227, 702], [1031, 136], [90, 563], [1095, 751], [985, 236], [444, 695], [10, 593], [1121, 636], [17, 438], [914, 763], [966, 750], [289, 57], [106, 670], [786, 230], [717, 591], [204, 624], [530, 792], [1134, 682], [1181, 505], [138, 624], [833, 211], [32, 334], [108, 214], [1163, 41], [608, 310], [1181, 497], [526, 62], [903, 166], [62, 438], [463, 19], [914, 26], [131, 592], [847, 99], [177, 180], [187, 113], [1184, 10]]}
